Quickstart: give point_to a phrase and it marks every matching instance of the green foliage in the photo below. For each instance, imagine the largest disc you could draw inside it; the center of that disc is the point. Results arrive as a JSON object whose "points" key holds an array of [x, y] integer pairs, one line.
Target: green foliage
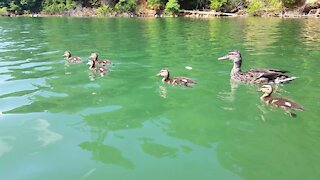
{"points": [[3, 11], [15, 6], [172, 7], [54, 6], [290, 1], [71, 4], [255, 6], [156, 4], [274, 4], [217, 4], [126, 6], [104, 10]]}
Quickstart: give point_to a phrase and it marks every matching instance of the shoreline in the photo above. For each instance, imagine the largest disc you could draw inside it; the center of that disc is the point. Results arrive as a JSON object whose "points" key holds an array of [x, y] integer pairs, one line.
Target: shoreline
{"points": [[201, 14]]}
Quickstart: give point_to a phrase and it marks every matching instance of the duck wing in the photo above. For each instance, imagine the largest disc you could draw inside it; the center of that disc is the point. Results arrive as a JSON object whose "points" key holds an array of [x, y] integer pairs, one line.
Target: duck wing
{"points": [[74, 59], [264, 75], [183, 81], [104, 62], [266, 70]]}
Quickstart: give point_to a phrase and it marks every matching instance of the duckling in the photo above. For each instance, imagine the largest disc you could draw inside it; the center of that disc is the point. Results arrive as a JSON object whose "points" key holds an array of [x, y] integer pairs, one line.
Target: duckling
{"points": [[284, 103], [257, 75], [176, 80], [94, 56], [93, 68], [69, 58]]}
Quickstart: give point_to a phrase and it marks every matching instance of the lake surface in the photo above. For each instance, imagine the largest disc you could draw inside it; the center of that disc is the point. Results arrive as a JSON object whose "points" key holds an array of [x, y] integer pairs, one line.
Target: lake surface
{"points": [[59, 121]]}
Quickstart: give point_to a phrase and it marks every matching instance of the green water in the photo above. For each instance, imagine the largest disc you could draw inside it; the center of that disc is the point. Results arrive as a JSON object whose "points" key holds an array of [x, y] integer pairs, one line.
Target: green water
{"points": [[58, 121]]}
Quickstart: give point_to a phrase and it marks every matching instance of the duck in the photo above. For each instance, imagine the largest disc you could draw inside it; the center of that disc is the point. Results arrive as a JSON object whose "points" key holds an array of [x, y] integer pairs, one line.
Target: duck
{"points": [[256, 75], [164, 72], [94, 56], [280, 102], [69, 58], [93, 68]]}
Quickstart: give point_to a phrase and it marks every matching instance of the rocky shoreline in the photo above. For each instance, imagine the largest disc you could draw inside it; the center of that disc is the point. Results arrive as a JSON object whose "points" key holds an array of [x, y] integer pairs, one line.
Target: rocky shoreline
{"points": [[91, 12]]}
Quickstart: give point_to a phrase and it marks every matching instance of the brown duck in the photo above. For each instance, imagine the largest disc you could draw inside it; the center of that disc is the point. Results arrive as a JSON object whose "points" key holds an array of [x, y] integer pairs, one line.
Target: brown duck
{"points": [[69, 58], [93, 68], [94, 56], [257, 75], [284, 103], [175, 80]]}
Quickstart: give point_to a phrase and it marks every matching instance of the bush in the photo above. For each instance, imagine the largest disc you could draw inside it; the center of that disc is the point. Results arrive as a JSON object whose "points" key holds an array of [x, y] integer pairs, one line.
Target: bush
{"points": [[15, 7], [3, 11], [55, 8], [217, 4], [104, 10], [172, 7], [156, 4], [70, 4], [126, 6], [255, 7], [274, 4]]}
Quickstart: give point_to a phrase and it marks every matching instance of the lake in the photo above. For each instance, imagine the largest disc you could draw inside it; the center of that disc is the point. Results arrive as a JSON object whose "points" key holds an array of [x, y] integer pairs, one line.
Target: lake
{"points": [[59, 121]]}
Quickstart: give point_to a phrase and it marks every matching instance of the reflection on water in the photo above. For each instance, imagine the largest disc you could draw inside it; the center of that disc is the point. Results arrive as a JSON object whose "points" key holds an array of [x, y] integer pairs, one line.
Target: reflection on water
{"points": [[127, 125], [45, 135], [106, 154], [5, 147]]}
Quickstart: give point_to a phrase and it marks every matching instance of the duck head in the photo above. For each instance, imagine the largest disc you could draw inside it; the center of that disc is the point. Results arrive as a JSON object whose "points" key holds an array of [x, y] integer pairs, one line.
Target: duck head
{"points": [[266, 89], [164, 73], [234, 56], [94, 56], [67, 54]]}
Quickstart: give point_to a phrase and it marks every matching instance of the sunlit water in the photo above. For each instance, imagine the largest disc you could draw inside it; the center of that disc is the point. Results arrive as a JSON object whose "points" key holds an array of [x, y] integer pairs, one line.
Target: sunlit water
{"points": [[58, 121]]}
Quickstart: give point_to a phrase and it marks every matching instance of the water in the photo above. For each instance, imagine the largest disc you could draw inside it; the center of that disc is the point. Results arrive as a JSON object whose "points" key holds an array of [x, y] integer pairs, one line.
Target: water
{"points": [[58, 121]]}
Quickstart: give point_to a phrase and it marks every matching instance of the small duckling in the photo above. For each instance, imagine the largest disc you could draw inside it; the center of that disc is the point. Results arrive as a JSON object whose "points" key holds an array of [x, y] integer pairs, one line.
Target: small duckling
{"points": [[255, 75], [93, 68], [94, 56], [69, 58], [176, 80], [284, 103]]}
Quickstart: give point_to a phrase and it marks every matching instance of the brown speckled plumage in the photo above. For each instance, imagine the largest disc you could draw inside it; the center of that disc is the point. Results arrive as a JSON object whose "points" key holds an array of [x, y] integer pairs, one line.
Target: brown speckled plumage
{"points": [[69, 58], [94, 56], [93, 68], [175, 80]]}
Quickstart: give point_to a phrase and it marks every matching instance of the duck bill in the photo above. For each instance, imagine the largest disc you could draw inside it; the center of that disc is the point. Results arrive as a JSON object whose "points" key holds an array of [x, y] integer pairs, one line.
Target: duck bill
{"points": [[223, 58], [158, 74]]}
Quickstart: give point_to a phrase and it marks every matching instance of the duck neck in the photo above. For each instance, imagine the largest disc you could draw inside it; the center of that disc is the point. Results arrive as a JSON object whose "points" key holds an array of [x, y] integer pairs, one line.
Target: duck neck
{"points": [[166, 78], [265, 96], [236, 67], [92, 65]]}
